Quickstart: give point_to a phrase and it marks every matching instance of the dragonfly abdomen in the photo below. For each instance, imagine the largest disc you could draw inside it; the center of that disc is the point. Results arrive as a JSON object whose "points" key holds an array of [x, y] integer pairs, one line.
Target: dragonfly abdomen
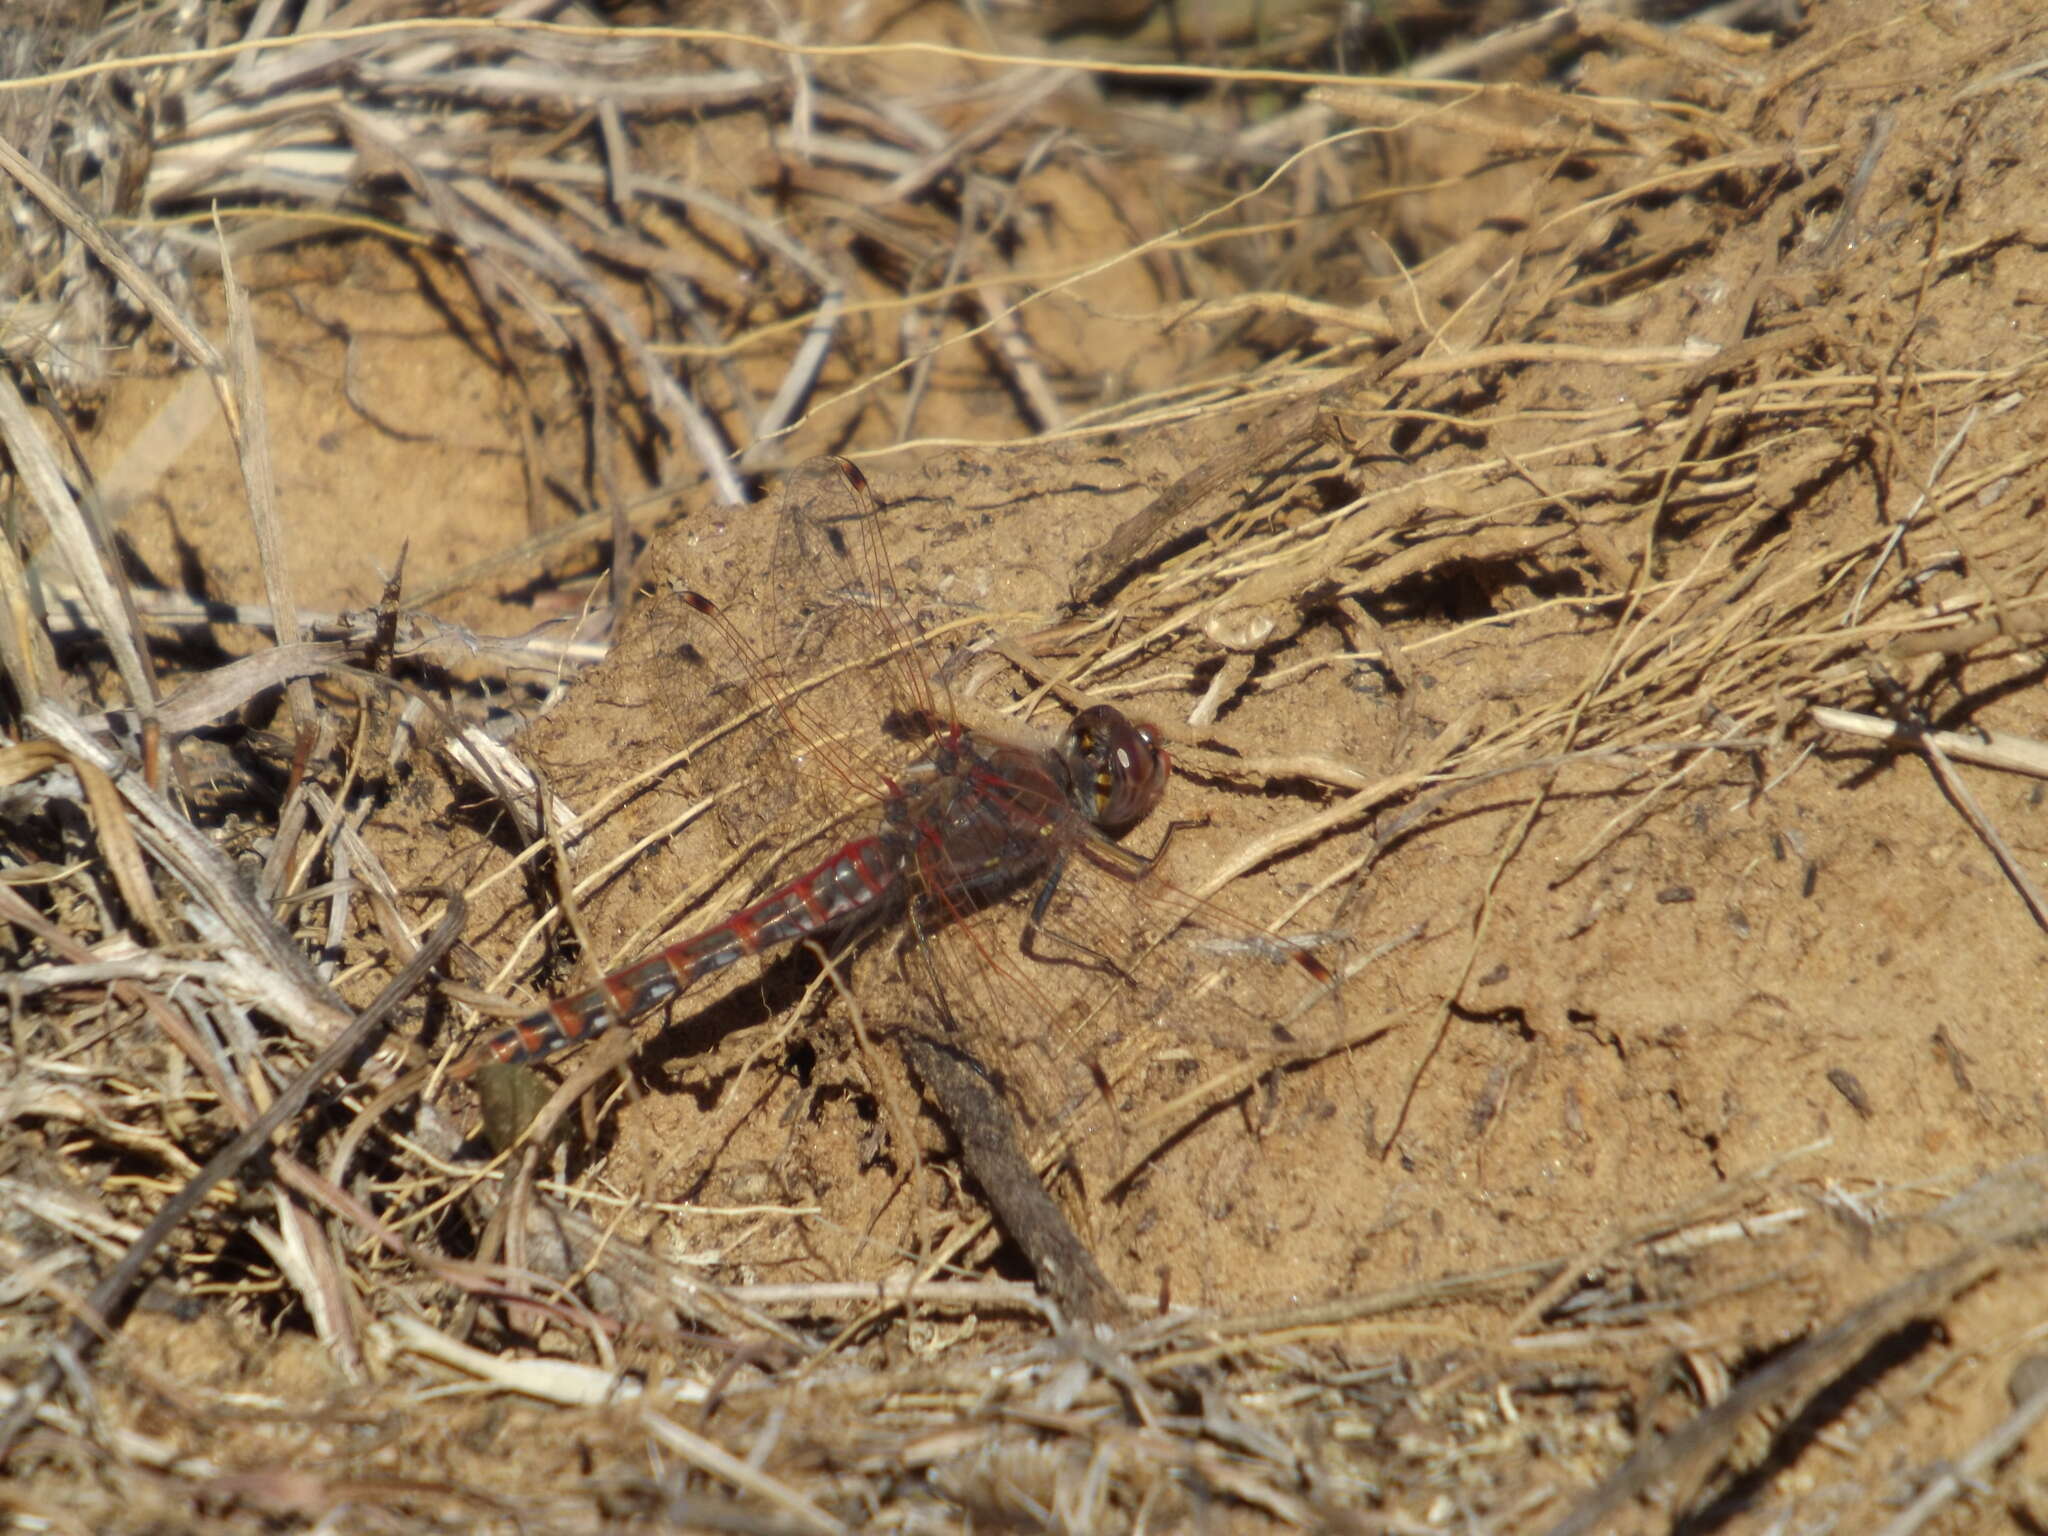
{"points": [[835, 895]]}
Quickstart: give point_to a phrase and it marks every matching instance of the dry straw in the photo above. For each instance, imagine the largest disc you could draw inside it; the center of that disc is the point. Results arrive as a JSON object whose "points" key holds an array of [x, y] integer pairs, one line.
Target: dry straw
{"points": [[188, 1095]]}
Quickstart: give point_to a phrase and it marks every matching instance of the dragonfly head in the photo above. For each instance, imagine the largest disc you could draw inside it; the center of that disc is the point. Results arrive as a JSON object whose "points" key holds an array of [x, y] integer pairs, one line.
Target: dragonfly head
{"points": [[1117, 767]]}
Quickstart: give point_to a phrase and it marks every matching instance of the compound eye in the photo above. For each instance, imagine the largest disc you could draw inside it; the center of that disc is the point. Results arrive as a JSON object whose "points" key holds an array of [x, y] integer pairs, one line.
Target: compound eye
{"points": [[1117, 767]]}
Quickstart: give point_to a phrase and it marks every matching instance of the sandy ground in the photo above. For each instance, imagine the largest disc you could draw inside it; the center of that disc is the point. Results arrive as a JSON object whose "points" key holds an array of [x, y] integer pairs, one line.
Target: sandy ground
{"points": [[1677, 980]]}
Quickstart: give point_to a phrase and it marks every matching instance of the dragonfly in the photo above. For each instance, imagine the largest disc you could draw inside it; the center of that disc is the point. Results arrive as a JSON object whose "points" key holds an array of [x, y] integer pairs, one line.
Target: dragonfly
{"points": [[955, 823]]}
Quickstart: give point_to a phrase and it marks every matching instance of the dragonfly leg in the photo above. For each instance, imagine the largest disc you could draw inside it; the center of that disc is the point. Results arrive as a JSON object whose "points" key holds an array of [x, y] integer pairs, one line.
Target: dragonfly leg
{"points": [[1178, 824], [917, 939], [1131, 866], [1036, 926]]}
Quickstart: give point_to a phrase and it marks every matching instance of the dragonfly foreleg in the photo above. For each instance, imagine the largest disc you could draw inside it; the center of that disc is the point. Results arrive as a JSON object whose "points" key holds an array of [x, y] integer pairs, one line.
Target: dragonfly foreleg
{"points": [[1178, 824]]}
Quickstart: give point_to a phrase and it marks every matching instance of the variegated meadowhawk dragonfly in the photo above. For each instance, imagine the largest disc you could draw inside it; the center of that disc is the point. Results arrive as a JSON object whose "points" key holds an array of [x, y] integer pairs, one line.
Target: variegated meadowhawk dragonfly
{"points": [[957, 821]]}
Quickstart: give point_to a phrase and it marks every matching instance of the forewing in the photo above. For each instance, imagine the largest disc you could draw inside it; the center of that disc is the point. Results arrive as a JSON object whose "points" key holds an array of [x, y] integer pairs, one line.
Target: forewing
{"points": [[825, 646]]}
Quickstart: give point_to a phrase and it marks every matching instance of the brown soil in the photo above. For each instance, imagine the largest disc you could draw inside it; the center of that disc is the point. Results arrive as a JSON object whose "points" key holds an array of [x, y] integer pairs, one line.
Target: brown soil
{"points": [[1610, 998]]}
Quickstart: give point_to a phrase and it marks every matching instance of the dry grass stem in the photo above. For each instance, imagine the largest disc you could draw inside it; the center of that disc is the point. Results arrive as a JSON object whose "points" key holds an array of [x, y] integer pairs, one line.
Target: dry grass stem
{"points": [[1558, 1073]]}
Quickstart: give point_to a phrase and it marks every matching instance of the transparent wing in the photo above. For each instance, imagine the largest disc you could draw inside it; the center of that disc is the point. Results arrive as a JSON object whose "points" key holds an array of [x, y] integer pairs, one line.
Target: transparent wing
{"points": [[1072, 999], [1059, 960], [822, 646]]}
